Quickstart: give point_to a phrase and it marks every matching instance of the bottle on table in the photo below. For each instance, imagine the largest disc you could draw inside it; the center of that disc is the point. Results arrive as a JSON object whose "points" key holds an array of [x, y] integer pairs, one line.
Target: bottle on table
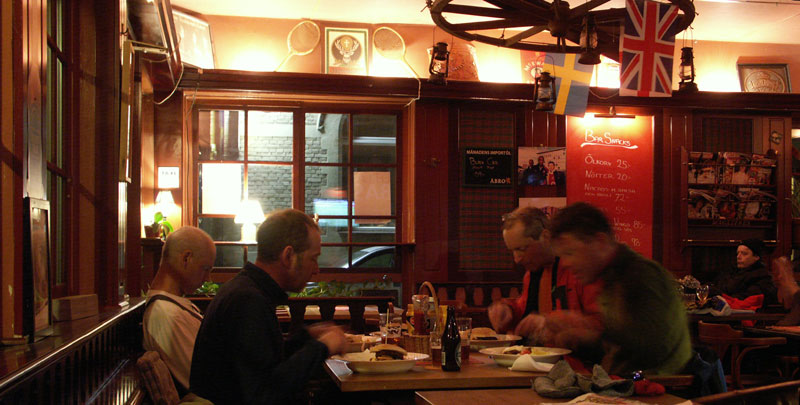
{"points": [[451, 343]]}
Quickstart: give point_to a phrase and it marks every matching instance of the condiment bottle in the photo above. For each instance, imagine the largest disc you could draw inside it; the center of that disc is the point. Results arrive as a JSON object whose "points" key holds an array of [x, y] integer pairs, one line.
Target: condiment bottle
{"points": [[451, 343]]}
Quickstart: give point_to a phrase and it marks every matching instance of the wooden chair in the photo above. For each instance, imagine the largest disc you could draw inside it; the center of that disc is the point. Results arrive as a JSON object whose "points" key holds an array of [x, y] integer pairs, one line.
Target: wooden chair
{"points": [[721, 337], [785, 393]]}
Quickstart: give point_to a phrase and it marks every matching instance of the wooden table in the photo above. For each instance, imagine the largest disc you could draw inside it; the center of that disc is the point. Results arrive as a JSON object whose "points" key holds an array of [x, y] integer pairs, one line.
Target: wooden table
{"points": [[511, 396], [789, 335], [480, 372], [760, 317]]}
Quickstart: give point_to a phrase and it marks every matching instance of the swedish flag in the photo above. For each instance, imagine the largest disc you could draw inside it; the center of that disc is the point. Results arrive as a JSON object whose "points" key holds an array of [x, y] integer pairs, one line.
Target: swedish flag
{"points": [[572, 83]]}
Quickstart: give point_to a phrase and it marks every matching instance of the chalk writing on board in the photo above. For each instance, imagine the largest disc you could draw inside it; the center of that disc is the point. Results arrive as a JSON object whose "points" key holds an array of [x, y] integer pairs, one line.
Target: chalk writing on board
{"points": [[488, 167]]}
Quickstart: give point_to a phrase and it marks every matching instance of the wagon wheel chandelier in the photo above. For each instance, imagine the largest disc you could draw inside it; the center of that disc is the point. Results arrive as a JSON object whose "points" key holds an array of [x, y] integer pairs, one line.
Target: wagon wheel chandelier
{"points": [[534, 16]]}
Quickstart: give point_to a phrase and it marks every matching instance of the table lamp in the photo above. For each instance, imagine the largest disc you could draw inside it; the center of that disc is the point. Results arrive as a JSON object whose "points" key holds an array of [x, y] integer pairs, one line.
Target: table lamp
{"points": [[249, 215]]}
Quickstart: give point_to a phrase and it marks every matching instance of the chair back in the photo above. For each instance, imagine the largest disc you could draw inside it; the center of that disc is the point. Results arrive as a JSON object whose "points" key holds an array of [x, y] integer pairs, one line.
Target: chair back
{"points": [[717, 336], [785, 393], [157, 379]]}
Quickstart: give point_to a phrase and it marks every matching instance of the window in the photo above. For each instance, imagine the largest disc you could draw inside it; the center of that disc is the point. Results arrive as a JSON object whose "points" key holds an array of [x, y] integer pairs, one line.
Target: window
{"points": [[340, 166], [56, 147]]}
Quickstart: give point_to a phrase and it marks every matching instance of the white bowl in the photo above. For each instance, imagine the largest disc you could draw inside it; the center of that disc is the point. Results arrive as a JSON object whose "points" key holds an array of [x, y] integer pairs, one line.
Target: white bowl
{"points": [[356, 363], [541, 354]]}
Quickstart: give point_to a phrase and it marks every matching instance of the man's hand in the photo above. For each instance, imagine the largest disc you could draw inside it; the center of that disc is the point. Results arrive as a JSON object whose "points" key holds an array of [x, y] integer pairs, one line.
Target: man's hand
{"points": [[571, 329], [531, 325], [333, 337], [316, 330], [500, 316]]}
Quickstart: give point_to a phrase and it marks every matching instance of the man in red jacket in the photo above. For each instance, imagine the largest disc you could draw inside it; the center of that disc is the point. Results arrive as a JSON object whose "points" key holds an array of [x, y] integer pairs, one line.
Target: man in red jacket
{"points": [[548, 291]]}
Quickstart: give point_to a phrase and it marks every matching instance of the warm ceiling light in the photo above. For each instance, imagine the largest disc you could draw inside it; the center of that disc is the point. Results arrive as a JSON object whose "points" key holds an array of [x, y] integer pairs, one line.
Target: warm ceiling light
{"points": [[612, 113]]}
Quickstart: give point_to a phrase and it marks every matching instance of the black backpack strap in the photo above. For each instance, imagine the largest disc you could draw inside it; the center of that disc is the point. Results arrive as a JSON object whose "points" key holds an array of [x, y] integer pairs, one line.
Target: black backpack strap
{"points": [[157, 297]]}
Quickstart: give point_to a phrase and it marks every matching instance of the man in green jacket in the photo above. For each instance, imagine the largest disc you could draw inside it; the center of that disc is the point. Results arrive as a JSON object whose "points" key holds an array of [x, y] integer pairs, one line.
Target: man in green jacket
{"points": [[645, 325]]}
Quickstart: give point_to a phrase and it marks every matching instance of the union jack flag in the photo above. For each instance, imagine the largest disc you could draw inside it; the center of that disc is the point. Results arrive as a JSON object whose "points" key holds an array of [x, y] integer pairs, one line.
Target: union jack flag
{"points": [[646, 51]]}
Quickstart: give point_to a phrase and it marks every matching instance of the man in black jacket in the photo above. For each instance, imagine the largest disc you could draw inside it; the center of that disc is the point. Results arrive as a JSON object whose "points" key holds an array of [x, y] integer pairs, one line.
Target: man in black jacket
{"points": [[240, 356]]}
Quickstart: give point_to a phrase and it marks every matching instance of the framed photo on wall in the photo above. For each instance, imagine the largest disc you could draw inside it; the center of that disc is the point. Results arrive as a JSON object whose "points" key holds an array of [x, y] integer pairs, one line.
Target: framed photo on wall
{"points": [[346, 51], [194, 37], [36, 304], [764, 78]]}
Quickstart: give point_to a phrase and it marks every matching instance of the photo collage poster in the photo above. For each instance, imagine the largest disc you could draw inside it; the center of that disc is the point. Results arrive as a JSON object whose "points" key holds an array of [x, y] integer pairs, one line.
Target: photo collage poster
{"points": [[542, 166]]}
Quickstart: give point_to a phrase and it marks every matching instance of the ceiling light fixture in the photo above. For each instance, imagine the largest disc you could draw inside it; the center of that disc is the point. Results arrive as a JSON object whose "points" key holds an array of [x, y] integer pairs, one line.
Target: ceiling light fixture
{"points": [[612, 113]]}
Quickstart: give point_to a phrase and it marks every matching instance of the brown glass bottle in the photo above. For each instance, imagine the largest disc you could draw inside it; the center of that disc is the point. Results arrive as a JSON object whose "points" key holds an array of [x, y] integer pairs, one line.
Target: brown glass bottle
{"points": [[451, 343]]}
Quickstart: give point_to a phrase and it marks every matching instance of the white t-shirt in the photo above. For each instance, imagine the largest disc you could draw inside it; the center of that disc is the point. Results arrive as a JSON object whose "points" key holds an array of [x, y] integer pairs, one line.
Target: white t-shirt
{"points": [[171, 330]]}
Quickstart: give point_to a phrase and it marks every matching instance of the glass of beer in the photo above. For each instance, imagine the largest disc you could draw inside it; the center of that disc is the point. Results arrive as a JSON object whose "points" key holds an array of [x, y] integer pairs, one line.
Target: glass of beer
{"points": [[436, 348], [390, 326], [465, 330]]}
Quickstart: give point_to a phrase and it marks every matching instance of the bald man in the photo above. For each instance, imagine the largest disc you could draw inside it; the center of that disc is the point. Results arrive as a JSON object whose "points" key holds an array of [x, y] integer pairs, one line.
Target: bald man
{"points": [[171, 321]]}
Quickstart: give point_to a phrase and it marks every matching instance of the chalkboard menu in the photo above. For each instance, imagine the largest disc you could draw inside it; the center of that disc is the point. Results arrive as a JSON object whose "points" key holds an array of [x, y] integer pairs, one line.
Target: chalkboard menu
{"points": [[610, 165], [488, 167]]}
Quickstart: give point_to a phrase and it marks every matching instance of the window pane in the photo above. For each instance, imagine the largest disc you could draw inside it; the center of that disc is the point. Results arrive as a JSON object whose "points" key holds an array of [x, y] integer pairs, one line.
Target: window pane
{"points": [[229, 256], [252, 253], [374, 138], [49, 134], [270, 136], [333, 230], [374, 230], [220, 188], [220, 135], [59, 251], [326, 186], [374, 191], [373, 257], [333, 256], [271, 185], [327, 138], [59, 111], [221, 229]]}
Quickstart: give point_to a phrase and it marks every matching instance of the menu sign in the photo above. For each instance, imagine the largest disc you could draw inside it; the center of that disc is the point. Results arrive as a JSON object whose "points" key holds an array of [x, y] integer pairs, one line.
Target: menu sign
{"points": [[488, 167], [610, 163]]}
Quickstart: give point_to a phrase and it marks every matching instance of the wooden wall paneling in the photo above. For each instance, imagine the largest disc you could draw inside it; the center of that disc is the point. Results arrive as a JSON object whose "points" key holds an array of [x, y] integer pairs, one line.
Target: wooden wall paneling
{"points": [[147, 137], [432, 191], [407, 214], [783, 175], [106, 121], [675, 136], [169, 146]]}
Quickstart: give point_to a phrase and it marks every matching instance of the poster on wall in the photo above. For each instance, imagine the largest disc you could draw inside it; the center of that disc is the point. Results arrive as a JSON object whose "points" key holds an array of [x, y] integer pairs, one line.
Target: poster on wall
{"points": [[550, 205], [487, 167], [611, 164], [542, 166]]}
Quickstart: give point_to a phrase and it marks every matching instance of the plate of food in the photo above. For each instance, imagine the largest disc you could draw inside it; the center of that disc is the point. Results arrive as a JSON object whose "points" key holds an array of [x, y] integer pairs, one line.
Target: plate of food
{"points": [[505, 356], [358, 343], [482, 338], [381, 359]]}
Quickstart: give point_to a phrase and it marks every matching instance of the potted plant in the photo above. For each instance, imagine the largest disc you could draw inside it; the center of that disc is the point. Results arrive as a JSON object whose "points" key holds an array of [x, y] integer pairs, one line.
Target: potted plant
{"points": [[160, 227]]}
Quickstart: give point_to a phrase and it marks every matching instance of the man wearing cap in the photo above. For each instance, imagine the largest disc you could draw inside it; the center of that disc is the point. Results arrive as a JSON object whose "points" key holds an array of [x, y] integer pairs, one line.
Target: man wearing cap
{"points": [[750, 276]]}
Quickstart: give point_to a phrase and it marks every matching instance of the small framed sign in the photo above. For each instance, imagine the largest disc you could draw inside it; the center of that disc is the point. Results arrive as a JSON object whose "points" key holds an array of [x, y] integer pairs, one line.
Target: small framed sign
{"points": [[487, 167], [764, 78], [346, 51], [36, 313]]}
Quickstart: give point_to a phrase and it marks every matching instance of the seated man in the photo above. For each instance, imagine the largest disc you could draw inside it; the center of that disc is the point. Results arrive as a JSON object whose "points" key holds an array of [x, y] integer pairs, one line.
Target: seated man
{"points": [[171, 321], [749, 277], [240, 356], [546, 285], [644, 320]]}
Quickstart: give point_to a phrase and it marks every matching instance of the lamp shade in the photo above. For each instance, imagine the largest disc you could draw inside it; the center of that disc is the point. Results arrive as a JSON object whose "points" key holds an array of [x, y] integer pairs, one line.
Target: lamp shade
{"points": [[249, 212], [165, 204]]}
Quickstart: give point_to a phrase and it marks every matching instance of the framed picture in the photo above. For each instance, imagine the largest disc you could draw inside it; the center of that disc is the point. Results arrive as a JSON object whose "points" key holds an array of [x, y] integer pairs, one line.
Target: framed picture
{"points": [[346, 51], [36, 311], [194, 39], [169, 37], [764, 78]]}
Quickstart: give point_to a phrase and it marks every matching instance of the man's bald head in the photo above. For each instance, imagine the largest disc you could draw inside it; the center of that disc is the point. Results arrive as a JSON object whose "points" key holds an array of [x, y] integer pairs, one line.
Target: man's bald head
{"points": [[188, 256]]}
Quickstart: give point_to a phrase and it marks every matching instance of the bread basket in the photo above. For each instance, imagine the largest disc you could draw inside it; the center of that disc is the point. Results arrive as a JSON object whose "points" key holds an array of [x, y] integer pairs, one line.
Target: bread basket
{"points": [[422, 343]]}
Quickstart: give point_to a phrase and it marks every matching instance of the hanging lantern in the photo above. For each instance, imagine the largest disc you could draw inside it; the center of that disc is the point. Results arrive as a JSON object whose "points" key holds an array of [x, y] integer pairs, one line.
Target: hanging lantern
{"points": [[545, 97], [589, 53], [686, 72], [440, 64]]}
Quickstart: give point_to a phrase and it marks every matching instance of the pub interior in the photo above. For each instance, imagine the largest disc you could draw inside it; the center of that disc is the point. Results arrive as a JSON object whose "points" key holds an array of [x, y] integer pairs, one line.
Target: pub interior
{"points": [[408, 135]]}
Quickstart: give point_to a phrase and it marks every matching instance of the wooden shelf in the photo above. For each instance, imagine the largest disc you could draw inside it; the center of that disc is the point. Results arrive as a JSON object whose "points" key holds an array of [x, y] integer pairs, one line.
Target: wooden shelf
{"points": [[752, 224], [729, 186]]}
